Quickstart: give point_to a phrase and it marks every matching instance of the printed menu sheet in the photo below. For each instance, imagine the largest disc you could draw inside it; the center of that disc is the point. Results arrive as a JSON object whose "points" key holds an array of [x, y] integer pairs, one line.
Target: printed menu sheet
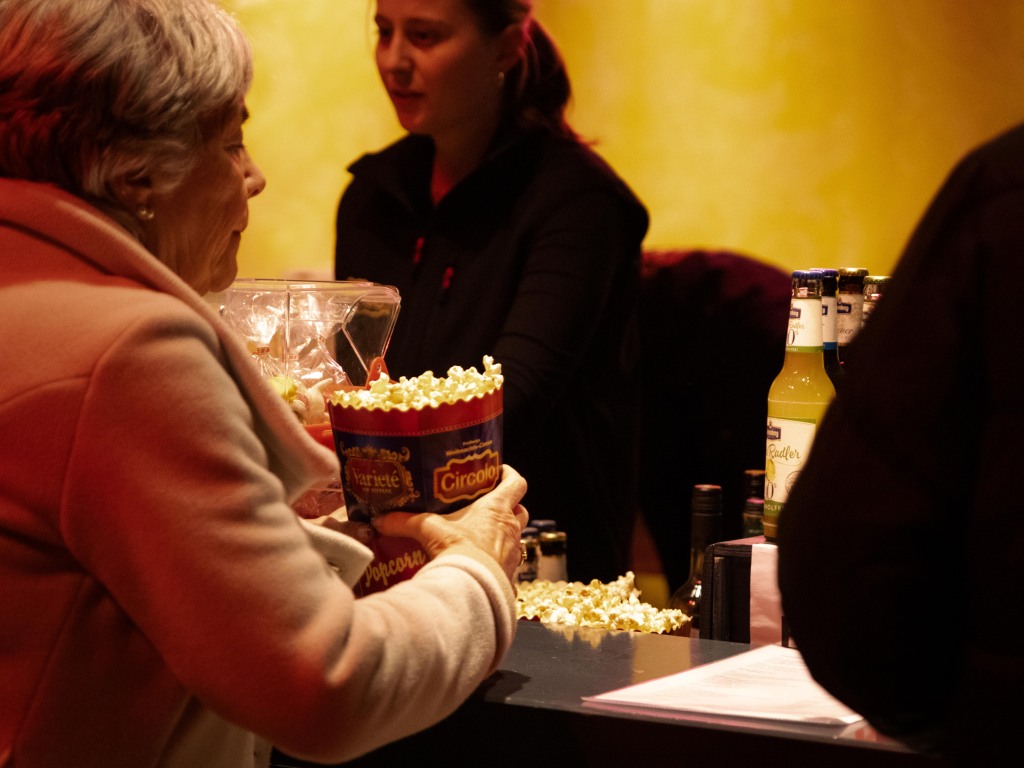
{"points": [[770, 682]]}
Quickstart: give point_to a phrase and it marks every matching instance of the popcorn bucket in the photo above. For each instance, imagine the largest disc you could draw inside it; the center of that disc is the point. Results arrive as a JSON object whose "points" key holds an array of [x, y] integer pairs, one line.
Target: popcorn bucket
{"points": [[436, 458], [395, 559]]}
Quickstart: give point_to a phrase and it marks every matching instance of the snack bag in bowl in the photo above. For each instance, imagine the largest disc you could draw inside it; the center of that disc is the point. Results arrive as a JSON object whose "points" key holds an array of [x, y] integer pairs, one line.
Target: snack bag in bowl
{"points": [[425, 444]]}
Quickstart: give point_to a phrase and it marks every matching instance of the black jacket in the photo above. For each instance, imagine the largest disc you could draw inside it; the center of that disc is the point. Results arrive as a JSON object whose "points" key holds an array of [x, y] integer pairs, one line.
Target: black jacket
{"points": [[900, 548], [533, 259]]}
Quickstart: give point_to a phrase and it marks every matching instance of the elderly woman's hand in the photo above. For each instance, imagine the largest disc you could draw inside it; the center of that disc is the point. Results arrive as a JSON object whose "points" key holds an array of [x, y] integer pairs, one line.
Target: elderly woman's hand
{"points": [[494, 523]]}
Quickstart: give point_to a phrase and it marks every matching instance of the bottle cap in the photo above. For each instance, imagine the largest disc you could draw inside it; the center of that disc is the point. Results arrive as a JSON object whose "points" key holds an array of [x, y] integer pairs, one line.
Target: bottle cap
{"points": [[707, 499], [874, 286], [553, 542], [544, 525], [806, 284], [706, 514], [852, 277], [753, 482], [829, 280]]}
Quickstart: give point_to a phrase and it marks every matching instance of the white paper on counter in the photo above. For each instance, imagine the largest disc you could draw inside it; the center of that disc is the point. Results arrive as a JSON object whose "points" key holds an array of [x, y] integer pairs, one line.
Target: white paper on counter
{"points": [[769, 682]]}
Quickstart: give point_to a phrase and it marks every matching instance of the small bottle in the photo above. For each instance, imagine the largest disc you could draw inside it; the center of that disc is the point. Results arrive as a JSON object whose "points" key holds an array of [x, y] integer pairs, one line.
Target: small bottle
{"points": [[797, 399], [829, 329], [753, 506], [849, 306], [527, 570], [753, 518], [705, 530], [753, 483], [552, 564], [543, 526], [874, 288]]}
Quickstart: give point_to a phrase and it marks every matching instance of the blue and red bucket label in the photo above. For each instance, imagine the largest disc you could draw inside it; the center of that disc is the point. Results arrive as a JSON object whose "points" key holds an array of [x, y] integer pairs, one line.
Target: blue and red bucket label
{"points": [[434, 459]]}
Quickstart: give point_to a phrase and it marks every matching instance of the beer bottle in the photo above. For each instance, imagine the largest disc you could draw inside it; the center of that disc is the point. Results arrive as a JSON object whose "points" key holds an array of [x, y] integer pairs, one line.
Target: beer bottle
{"points": [[705, 530], [874, 288], [849, 306], [829, 329], [797, 399], [527, 570], [552, 564], [753, 507], [552, 547]]}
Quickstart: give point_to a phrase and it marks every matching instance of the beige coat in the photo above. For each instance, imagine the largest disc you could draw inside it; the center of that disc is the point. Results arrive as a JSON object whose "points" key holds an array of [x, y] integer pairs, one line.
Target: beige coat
{"points": [[159, 600]]}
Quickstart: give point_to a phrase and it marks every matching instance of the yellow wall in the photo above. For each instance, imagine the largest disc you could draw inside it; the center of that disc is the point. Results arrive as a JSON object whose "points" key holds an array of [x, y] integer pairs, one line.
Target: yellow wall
{"points": [[804, 132]]}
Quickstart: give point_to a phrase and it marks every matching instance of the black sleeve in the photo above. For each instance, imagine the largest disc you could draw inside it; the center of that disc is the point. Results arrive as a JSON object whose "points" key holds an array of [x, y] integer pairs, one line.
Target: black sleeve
{"points": [[874, 532]]}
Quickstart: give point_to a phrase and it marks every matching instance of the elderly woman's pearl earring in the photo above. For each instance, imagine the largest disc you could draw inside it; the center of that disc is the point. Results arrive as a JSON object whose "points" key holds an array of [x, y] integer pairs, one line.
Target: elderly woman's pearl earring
{"points": [[145, 213]]}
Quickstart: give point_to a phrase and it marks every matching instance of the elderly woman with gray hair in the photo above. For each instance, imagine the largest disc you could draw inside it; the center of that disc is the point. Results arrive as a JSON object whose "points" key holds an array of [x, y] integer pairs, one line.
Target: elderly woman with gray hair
{"points": [[162, 604]]}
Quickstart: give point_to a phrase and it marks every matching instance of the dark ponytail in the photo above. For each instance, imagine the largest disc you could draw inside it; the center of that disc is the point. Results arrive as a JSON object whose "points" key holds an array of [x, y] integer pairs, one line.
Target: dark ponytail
{"points": [[537, 88]]}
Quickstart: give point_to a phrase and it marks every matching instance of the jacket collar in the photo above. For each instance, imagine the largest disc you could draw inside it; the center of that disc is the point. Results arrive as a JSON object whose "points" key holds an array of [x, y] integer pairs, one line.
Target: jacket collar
{"points": [[403, 169], [49, 213]]}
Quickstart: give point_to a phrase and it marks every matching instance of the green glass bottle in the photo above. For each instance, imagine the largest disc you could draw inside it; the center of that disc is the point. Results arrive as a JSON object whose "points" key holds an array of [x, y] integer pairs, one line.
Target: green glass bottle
{"points": [[797, 399]]}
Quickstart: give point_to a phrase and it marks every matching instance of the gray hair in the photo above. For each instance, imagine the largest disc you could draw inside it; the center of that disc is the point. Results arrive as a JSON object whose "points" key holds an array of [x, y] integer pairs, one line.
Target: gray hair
{"points": [[92, 90]]}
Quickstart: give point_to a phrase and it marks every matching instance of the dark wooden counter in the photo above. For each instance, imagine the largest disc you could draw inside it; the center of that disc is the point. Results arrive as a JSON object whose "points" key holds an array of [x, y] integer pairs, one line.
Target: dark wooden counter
{"points": [[530, 713]]}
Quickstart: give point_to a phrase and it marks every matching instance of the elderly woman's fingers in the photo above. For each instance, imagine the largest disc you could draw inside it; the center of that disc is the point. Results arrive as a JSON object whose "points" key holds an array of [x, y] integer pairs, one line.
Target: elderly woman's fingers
{"points": [[493, 523], [398, 524], [511, 489]]}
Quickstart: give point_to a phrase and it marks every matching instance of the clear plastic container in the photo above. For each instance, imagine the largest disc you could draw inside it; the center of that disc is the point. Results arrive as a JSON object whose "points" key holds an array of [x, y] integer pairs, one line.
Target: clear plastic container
{"points": [[312, 337]]}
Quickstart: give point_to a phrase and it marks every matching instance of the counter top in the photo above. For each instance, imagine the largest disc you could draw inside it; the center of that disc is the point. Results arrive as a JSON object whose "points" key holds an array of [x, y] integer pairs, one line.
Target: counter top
{"points": [[530, 712]]}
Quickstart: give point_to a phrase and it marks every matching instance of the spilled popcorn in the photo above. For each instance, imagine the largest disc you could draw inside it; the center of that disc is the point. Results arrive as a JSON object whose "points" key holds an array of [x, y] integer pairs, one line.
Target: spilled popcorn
{"points": [[615, 605], [424, 390]]}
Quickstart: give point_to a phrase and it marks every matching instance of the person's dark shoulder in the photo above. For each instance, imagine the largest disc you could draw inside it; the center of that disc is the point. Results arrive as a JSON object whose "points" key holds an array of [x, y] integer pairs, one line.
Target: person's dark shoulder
{"points": [[993, 169], [979, 200], [391, 181], [1004, 154], [390, 159], [568, 168], [577, 164]]}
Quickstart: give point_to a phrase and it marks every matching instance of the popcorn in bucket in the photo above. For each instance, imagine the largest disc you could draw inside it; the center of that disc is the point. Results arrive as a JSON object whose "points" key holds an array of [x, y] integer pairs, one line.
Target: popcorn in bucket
{"points": [[419, 445]]}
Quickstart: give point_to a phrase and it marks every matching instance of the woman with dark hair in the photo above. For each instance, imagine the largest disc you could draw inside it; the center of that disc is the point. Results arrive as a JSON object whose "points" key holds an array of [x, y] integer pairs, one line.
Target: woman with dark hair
{"points": [[508, 236]]}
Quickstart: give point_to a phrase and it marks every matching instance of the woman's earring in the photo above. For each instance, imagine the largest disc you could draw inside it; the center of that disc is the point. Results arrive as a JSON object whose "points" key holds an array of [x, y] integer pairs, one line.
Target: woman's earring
{"points": [[145, 213], [501, 80]]}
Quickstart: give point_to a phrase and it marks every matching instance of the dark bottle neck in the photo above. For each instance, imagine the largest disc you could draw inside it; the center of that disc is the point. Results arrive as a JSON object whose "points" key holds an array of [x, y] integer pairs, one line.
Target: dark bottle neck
{"points": [[705, 529], [696, 566]]}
